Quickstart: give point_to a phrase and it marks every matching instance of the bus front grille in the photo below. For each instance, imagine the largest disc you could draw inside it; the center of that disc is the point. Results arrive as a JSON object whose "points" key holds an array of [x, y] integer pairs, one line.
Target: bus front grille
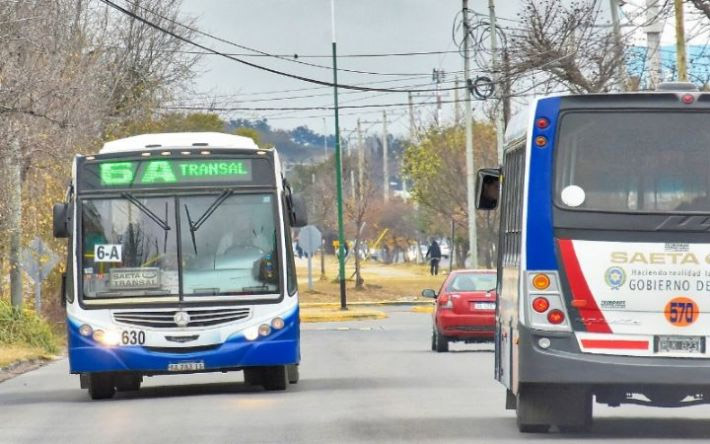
{"points": [[186, 318]]}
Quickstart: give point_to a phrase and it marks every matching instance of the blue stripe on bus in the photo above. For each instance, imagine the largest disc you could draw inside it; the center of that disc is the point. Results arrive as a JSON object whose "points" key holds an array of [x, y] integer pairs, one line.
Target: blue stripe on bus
{"points": [[279, 348], [540, 248]]}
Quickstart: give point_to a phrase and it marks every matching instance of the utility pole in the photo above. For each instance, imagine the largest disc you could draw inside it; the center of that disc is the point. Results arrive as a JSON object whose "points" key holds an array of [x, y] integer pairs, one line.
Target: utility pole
{"points": [[338, 168], [457, 105], [653, 41], [437, 76], [15, 221], [472, 238], [681, 57], [385, 165], [618, 48], [412, 124], [360, 162], [500, 125]]}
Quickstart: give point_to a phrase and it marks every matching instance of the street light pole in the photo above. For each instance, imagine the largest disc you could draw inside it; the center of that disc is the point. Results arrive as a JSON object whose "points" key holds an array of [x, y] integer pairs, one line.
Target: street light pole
{"points": [[338, 168]]}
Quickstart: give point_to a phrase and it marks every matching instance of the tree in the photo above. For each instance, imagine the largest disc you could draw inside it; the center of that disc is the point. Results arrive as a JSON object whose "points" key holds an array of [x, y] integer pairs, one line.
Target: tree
{"points": [[70, 72], [565, 44], [437, 169], [167, 123], [357, 208]]}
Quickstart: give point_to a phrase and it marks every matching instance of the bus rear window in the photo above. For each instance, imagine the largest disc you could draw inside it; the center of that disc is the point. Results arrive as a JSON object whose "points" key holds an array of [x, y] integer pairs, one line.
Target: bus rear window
{"points": [[631, 161]]}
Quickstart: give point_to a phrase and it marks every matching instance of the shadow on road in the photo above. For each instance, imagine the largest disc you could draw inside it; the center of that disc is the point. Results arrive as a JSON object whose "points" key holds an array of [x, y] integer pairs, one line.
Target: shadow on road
{"points": [[492, 429], [658, 428]]}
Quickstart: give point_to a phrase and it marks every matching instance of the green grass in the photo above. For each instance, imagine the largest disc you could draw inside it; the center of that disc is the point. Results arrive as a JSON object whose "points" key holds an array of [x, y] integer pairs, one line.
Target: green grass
{"points": [[24, 327]]}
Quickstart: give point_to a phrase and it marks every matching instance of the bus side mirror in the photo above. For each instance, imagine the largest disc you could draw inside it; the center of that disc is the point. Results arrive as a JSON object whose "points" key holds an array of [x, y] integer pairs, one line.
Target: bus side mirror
{"points": [[300, 216], [59, 220], [487, 188]]}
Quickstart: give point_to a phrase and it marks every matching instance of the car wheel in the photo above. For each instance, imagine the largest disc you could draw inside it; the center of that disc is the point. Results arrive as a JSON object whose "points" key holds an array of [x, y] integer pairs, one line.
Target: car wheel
{"points": [[275, 378], [433, 340], [101, 386], [441, 343]]}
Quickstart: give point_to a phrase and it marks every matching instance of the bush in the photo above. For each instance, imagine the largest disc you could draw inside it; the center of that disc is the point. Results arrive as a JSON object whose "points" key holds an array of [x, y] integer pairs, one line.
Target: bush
{"points": [[25, 327]]}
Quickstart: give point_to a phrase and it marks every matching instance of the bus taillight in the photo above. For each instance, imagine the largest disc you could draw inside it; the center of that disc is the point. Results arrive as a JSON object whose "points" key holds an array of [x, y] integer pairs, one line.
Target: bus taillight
{"points": [[555, 317], [540, 304], [542, 123]]}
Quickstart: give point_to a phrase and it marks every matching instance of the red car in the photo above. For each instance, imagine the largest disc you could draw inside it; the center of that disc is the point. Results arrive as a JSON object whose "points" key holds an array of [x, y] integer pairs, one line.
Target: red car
{"points": [[465, 308]]}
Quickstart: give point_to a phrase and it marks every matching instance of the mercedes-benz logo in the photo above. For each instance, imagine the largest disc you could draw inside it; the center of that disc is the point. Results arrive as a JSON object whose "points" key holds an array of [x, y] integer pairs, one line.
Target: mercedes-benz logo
{"points": [[182, 318]]}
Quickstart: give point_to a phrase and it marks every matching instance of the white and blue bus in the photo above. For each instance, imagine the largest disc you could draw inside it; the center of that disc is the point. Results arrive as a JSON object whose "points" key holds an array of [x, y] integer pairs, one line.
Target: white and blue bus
{"points": [[604, 255], [180, 261]]}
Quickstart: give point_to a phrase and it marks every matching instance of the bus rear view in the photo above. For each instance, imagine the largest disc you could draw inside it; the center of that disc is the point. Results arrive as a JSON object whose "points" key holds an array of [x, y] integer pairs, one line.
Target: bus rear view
{"points": [[604, 256], [179, 261]]}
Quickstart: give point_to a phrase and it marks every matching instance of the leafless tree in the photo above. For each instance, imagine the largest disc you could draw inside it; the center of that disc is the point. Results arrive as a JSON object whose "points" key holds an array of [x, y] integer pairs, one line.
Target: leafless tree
{"points": [[567, 44]]}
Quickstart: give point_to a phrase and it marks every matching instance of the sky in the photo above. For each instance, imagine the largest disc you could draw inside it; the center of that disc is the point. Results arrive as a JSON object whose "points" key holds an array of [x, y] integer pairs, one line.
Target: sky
{"points": [[303, 27]]}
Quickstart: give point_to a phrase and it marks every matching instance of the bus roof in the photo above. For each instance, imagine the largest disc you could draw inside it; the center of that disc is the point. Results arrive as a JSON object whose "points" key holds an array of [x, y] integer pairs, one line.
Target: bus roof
{"points": [[162, 141]]}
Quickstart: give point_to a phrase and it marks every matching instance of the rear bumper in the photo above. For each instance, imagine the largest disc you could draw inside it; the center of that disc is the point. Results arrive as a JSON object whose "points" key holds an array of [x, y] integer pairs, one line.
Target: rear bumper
{"points": [[279, 348], [450, 324], [564, 363]]}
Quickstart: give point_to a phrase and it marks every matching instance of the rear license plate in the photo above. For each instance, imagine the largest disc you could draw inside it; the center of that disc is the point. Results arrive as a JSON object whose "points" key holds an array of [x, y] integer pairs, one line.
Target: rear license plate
{"points": [[484, 306], [680, 344], [186, 366]]}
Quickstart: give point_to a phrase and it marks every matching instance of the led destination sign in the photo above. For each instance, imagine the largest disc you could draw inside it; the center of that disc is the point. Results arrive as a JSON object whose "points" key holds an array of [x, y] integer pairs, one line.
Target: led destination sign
{"points": [[167, 172]]}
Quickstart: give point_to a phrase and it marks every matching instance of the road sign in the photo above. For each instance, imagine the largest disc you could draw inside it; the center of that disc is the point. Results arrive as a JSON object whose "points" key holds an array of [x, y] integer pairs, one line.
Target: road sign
{"points": [[38, 260], [309, 239]]}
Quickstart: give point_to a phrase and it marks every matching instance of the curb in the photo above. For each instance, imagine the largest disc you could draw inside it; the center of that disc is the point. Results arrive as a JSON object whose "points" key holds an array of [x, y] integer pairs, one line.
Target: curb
{"points": [[309, 316], [423, 309], [365, 303]]}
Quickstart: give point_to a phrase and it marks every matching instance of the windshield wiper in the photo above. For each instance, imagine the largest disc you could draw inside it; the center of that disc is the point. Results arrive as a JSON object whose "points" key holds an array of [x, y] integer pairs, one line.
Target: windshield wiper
{"points": [[194, 226], [148, 212]]}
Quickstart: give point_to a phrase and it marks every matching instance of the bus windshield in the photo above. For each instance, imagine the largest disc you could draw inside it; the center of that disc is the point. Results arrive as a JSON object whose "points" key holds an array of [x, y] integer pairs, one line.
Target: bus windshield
{"points": [[228, 243], [634, 161], [226, 246]]}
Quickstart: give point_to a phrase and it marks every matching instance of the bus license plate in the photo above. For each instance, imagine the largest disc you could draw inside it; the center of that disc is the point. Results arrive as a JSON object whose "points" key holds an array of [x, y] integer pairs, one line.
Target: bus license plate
{"points": [[186, 366], [680, 344], [484, 306]]}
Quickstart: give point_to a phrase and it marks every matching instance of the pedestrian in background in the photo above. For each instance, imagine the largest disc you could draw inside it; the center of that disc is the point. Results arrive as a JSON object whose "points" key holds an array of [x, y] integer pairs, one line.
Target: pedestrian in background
{"points": [[434, 255]]}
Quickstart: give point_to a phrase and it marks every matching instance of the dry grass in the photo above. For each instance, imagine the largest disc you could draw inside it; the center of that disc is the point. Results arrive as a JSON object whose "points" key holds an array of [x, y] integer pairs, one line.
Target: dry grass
{"points": [[14, 353], [394, 282]]}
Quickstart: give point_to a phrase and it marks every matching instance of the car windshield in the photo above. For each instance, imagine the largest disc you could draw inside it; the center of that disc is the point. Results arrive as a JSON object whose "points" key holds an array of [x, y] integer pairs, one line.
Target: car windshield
{"points": [[228, 243], [129, 247], [227, 247], [472, 282]]}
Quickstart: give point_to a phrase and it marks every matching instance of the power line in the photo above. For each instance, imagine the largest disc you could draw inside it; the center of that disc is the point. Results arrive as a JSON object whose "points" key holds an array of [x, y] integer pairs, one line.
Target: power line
{"points": [[254, 65], [260, 52]]}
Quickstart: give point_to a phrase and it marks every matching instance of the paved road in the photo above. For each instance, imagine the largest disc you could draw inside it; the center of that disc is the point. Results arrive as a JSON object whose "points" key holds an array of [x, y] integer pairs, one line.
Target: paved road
{"points": [[361, 382]]}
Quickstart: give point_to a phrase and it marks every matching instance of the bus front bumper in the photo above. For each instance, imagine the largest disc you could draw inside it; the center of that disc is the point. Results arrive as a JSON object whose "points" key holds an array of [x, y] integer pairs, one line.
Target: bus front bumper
{"points": [[279, 348]]}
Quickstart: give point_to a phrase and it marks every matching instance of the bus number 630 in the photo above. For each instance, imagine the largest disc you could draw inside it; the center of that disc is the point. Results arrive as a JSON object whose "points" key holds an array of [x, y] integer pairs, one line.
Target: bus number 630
{"points": [[133, 337]]}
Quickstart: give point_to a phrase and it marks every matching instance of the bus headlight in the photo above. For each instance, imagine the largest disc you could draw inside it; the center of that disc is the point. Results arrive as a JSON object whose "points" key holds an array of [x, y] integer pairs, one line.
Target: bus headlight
{"points": [[86, 330], [264, 330], [277, 323], [108, 338], [251, 333]]}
